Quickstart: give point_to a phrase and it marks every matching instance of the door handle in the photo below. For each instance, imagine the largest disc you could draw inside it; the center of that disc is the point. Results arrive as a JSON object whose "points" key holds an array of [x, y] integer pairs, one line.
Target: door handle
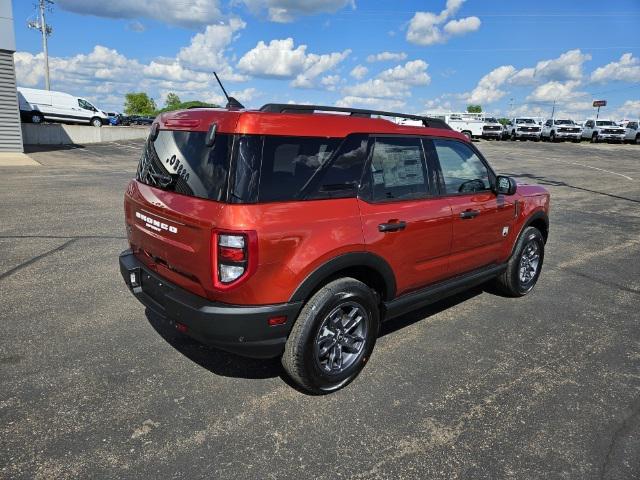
{"points": [[392, 226], [469, 214]]}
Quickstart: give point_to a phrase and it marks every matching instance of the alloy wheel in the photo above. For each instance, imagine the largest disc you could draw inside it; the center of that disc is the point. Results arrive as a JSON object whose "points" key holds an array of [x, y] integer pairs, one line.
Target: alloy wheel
{"points": [[341, 337]]}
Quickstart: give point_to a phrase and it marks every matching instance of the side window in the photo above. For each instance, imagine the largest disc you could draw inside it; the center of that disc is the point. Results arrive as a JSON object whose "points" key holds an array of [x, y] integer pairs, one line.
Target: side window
{"points": [[289, 163], [462, 170], [548, 123], [397, 170], [341, 177], [633, 125]]}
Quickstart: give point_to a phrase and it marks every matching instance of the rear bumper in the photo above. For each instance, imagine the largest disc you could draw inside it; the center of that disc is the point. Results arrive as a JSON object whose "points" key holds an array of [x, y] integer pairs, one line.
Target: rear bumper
{"points": [[243, 330]]}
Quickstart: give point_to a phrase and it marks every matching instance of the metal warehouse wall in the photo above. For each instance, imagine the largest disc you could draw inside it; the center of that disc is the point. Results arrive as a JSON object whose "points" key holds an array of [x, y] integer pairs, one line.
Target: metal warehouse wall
{"points": [[10, 131]]}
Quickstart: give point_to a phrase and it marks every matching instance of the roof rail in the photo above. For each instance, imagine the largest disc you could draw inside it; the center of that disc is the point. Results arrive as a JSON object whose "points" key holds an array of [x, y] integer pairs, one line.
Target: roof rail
{"points": [[355, 112]]}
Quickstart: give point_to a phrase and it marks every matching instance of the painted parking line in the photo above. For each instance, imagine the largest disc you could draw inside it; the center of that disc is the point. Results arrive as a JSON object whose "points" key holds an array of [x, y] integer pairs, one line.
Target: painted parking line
{"points": [[596, 168]]}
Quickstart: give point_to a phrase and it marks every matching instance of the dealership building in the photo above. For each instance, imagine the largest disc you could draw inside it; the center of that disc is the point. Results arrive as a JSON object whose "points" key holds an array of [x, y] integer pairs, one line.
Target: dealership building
{"points": [[10, 129]]}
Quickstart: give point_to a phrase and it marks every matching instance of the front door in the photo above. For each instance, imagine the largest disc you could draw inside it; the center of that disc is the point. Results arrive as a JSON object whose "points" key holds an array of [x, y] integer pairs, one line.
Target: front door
{"points": [[403, 220], [481, 220]]}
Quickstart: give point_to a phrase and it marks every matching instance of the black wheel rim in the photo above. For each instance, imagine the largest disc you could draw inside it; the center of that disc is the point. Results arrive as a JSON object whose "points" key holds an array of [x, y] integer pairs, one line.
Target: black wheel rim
{"points": [[529, 263], [341, 337]]}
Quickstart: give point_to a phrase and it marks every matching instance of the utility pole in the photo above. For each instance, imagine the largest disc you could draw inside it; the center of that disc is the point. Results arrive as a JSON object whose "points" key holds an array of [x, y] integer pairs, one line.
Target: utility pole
{"points": [[510, 107], [553, 110], [46, 30]]}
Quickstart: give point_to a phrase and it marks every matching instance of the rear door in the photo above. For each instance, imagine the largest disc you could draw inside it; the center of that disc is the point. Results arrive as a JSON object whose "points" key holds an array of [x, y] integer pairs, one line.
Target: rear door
{"points": [[481, 220], [403, 221]]}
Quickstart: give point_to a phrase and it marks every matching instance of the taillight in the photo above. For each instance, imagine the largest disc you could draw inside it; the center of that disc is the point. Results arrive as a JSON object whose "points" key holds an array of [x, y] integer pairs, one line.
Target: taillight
{"points": [[235, 256]]}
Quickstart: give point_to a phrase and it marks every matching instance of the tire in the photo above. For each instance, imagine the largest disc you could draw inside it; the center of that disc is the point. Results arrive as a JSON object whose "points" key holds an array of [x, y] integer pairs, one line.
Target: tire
{"points": [[96, 122], [36, 118], [516, 283], [513, 136], [467, 134], [594, 138], [325, 314], [638, 139], [552, 137]]}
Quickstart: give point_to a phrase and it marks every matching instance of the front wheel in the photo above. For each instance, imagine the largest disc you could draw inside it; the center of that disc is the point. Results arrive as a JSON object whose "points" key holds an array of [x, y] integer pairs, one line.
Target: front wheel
{"points": [[96, 122], [333, 336], [524, 266], [468, 135], [36, 118], [594, 138], [513, 136]]}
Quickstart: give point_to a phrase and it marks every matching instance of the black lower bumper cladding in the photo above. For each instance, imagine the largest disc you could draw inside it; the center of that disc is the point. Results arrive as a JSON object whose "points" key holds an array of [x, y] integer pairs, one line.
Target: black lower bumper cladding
{"points": [[243, 330]]}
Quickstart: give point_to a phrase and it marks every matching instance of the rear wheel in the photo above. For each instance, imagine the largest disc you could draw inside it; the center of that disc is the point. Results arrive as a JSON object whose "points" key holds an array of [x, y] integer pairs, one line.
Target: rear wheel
{"points": [[333, 336], [524, 265]]}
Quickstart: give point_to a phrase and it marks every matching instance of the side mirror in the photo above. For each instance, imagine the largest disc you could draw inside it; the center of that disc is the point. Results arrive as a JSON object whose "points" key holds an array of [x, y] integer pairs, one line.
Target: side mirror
{"points": [[505, 185]]}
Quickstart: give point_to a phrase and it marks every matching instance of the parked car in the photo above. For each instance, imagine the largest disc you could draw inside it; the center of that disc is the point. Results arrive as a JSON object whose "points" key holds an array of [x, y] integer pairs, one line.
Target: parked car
{"points": [[37, 106], [603, 130], [140, 120], [506, 130], [354, 220], [632, 132], [492, 128], [524, 128], [560, 129], [113, 118]]}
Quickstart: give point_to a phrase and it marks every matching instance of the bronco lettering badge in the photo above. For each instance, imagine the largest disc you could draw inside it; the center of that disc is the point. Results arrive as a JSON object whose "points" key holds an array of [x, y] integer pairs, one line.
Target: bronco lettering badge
{"points": [[154, 224]]}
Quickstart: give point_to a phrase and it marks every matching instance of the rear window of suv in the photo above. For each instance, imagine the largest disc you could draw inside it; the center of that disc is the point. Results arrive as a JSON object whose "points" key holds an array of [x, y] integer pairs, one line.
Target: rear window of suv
{"points": [[253, 168]]}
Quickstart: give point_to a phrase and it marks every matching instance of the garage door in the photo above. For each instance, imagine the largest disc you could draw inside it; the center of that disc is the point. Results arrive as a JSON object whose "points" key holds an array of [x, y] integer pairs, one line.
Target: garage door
{"points": [[10, 130]]}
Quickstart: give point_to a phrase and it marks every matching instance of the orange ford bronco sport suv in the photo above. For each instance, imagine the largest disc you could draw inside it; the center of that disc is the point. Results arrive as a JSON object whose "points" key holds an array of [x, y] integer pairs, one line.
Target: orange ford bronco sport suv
{"points": [[291, 232]]}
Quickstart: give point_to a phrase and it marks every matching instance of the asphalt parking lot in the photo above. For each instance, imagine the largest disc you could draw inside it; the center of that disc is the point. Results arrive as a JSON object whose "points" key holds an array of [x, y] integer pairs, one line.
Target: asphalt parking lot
{"points": [[478, 386]]}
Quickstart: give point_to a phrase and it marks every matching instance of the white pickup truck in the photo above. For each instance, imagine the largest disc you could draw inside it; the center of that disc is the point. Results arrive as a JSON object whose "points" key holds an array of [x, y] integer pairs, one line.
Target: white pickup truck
{"points": [[492, 128], [632, 131], [523, 128], [560, 129], [602, 130]]}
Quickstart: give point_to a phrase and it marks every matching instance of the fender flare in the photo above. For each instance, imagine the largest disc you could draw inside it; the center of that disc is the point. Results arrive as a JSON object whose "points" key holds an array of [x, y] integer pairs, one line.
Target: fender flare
{"points": [[342, 262], [538, 215]]}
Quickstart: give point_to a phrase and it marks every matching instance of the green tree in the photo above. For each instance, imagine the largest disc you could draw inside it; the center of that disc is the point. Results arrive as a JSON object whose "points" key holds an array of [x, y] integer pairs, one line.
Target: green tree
{"points": [[503, 120], [172, 102], [139, 103], [474, 108]]}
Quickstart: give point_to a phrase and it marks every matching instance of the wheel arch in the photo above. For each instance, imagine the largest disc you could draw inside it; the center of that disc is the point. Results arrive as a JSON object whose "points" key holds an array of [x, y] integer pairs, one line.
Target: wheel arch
{"points": [[366, 267], [539, 220]]}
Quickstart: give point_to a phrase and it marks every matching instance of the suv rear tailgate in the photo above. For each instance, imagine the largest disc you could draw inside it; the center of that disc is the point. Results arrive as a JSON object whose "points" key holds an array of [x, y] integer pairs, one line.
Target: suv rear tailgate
{"points": [[171, 234]]}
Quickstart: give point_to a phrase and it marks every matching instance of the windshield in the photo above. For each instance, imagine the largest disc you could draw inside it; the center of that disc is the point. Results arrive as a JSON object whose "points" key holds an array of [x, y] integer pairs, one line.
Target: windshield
{"points": [[606, 123], [525, 120], [564, 122]]}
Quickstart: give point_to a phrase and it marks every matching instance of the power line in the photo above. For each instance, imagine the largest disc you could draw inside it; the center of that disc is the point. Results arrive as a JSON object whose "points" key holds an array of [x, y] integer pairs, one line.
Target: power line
{"points": [[45, 30]]}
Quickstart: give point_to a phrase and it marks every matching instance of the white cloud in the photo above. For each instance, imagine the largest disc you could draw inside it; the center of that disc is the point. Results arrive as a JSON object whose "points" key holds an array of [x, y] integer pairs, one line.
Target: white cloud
{"points": [[487, 90], [185, 13], [462, 26], [377, 88], [359, 72], [629, 109], [627, 69], [411, 73], [425, 27], [330, 82], [368, 102], [554, 90], [283, 11], [387, 56], [207, 49], [567, 66], [279, 59]]}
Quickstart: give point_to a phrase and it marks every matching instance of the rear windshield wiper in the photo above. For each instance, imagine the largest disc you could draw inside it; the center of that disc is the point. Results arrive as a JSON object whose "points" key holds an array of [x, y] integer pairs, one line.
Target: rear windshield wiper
{"points": [[163, 180]]}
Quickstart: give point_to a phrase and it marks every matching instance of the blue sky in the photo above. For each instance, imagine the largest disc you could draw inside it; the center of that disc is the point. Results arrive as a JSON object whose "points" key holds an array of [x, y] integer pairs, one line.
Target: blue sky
{"points": [[414, 56]]}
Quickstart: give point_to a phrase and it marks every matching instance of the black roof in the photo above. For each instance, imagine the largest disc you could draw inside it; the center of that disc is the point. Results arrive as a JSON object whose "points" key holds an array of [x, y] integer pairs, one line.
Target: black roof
{"points": [[356, 112]]}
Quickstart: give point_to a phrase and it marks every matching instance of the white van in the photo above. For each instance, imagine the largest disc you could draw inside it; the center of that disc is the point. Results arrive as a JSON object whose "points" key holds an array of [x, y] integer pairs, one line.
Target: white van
{"points": [[38, 105]]}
